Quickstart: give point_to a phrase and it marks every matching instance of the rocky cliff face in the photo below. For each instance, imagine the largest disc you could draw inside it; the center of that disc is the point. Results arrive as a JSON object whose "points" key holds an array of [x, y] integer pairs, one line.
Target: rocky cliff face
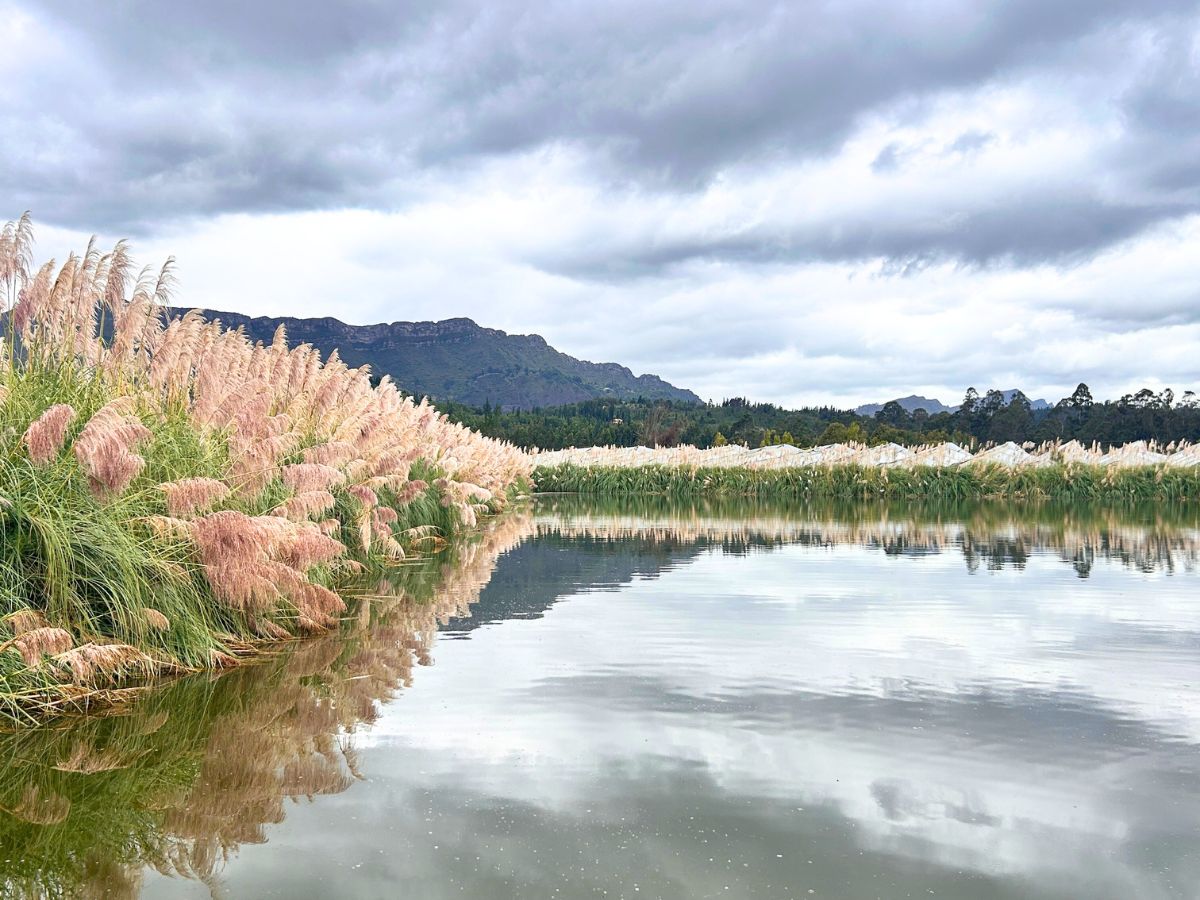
{"points": [[457, 359]]}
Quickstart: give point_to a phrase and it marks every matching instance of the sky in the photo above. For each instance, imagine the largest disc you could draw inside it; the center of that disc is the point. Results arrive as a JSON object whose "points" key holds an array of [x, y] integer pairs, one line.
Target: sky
{"points": [[805, 202]]}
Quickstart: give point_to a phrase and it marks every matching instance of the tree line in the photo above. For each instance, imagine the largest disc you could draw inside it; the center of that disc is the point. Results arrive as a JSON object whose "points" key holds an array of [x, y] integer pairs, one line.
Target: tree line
{"points": [[980, 418]]}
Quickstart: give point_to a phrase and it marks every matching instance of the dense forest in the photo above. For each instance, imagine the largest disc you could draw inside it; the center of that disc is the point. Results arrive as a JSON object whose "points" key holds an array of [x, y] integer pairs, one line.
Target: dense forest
{"points": [[981, 418]]}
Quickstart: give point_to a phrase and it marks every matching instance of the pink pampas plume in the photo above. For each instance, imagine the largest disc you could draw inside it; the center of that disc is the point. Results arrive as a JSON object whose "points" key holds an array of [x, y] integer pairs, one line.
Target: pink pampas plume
{"points": [[192, 495], [45, 437], [105, 448]]}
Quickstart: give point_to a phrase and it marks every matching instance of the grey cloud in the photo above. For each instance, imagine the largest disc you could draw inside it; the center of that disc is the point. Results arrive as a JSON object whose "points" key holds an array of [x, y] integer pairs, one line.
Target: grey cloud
{"points": [[888, 159], [676, 102], [1162, 120], [1041, 225], [970, 141], [1045, 721], [195, 110]]}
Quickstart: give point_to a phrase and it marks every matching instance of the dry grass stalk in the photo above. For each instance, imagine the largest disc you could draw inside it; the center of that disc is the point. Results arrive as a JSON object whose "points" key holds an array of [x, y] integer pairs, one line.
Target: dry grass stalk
{"points": [[156, 619], [91, 663], [38, 642]]}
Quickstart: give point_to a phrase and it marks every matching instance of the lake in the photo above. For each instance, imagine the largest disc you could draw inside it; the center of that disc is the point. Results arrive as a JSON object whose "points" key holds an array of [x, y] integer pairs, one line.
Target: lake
{"points": [[638, 698]]}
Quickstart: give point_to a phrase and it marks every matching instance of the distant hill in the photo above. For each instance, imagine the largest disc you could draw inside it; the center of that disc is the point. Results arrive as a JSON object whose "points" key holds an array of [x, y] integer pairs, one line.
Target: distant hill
{"points": [[458, 360], [912, 403], [1033, 404]]}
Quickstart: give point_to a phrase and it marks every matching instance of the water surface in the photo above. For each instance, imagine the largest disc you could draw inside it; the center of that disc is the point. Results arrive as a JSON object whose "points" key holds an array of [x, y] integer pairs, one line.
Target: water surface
{"points": [[640, 699]]}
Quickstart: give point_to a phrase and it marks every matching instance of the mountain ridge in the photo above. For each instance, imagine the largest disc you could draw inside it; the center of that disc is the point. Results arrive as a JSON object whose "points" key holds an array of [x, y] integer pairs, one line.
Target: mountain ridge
{"points": [[460, 360]]}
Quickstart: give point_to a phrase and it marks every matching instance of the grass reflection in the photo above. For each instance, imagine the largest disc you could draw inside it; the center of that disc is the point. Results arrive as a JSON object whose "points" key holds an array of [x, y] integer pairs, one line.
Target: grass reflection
{"points": [[182, 778]]}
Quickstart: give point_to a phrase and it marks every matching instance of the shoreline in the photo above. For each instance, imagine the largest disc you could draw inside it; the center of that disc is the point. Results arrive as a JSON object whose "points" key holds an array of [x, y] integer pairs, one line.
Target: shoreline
{"points": [[1065, 481]]}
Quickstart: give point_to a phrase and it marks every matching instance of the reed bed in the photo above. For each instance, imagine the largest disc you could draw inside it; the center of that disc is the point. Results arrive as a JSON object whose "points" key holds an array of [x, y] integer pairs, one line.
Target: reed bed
{"points": [[1060, 481], [172, 495], [1136, 454]]}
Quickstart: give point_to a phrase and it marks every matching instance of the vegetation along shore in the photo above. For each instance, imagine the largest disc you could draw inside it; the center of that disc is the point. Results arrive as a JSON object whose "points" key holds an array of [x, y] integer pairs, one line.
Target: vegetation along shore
{"points": [[172, 496], [1138, 471]]}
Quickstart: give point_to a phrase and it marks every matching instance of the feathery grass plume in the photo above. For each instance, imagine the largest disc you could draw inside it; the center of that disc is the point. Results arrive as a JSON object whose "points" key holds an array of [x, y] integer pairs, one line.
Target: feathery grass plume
{"points": [[92, 662], [302, 477], [40, 807], [83, 759], [236, 550], [155, 619], [305, 505], [254, 563], [192, 495], [16, 258], [308, 546], [105, 447], [168, 527], [45, 437], [24, 620], [38, 642]]}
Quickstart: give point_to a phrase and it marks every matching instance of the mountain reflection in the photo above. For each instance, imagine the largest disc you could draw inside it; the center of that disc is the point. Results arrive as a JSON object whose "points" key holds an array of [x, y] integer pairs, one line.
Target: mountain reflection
{"points": [[181, 779]]}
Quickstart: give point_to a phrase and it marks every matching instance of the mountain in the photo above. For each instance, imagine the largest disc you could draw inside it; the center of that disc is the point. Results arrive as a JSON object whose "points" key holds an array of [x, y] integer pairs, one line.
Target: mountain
{"points": [[456, 359], [912, 403], [1033, 404]]}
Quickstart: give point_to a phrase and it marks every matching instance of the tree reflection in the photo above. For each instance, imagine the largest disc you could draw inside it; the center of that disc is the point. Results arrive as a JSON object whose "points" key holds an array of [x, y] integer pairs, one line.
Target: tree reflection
{"points": [[993, 535]]}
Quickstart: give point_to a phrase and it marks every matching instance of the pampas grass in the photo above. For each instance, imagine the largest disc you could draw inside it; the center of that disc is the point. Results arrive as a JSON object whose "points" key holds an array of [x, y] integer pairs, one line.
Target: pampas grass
{"points": [[170, 491]]}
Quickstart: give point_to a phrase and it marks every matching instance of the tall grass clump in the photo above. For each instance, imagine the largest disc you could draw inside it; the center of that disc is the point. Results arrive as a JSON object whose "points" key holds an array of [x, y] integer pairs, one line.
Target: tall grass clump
{"points": [[171, 493]]}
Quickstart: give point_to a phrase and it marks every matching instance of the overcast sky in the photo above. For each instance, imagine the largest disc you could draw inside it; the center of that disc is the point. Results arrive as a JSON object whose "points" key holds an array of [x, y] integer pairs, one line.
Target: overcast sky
{"points": [[801, 202]]}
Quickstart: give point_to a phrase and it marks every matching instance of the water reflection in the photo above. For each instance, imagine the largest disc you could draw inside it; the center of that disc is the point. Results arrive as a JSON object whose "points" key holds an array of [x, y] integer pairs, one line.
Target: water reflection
{"points": [[193, 771], [989, 534], [675, 700]]}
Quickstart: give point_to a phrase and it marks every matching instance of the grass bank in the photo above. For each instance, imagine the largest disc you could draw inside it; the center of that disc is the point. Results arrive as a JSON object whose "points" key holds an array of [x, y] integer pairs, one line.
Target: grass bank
{"points": [[1061, 482], [172, 496]]}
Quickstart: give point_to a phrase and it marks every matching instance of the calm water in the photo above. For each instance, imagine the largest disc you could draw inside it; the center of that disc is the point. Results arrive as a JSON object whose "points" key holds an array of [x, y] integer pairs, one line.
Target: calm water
{"points": [[645, 700]]}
